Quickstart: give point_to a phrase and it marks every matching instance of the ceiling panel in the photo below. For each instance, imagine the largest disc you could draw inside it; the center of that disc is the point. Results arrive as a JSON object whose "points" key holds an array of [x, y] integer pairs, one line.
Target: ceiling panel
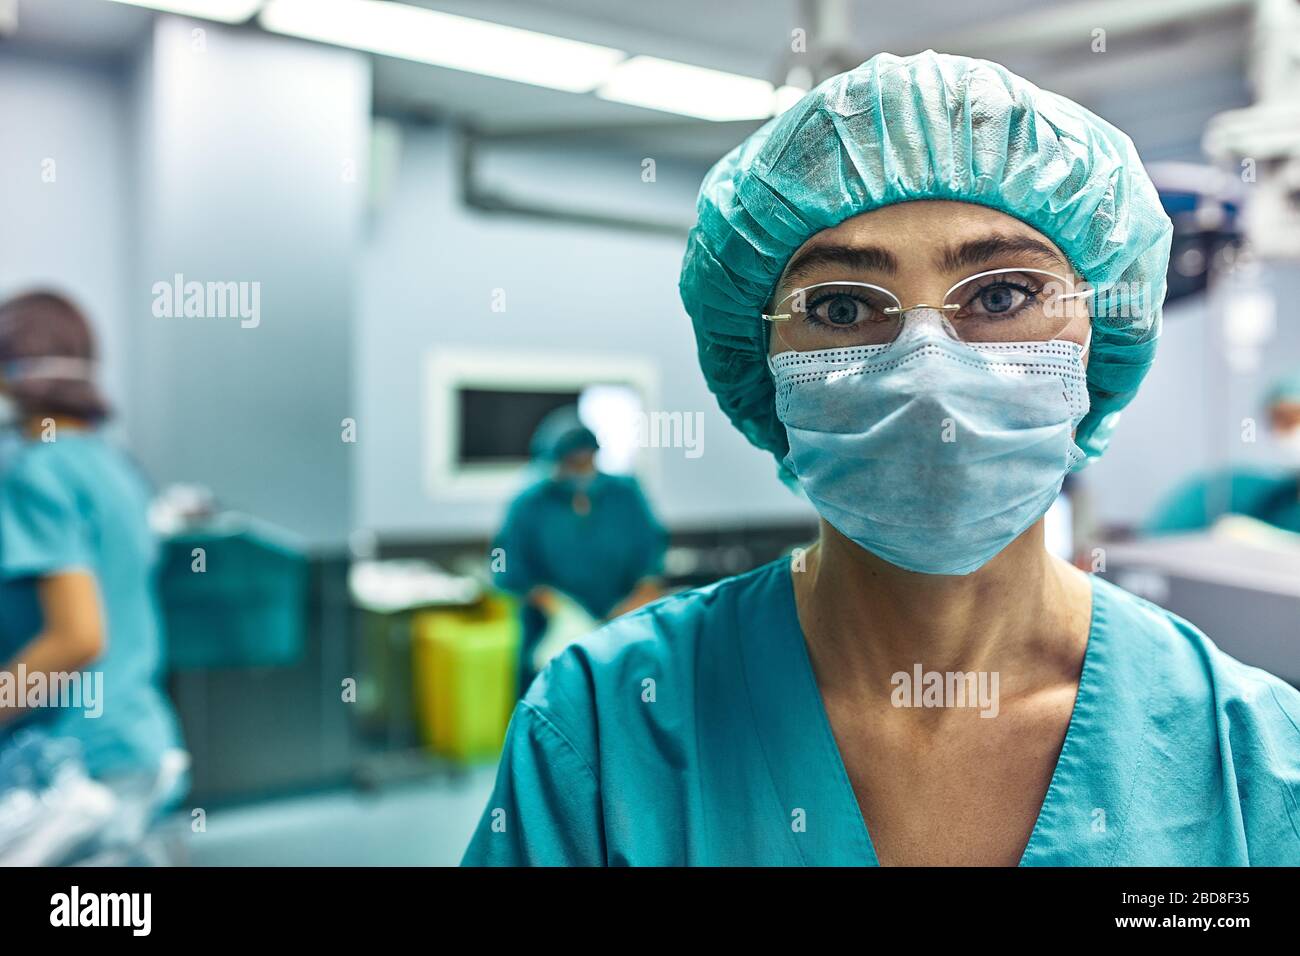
{"points": [[1161, 86]]}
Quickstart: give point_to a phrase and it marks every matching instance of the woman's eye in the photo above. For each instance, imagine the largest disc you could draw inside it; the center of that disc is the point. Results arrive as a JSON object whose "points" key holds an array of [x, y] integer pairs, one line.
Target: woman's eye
{"points": [[837, 310], [1000, 298]]}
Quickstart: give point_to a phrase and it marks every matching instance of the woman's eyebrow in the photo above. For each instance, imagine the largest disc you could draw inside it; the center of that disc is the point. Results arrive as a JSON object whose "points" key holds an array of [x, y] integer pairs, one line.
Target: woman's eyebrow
{"points": [[851, 258], [967, 255], [979, 252]]}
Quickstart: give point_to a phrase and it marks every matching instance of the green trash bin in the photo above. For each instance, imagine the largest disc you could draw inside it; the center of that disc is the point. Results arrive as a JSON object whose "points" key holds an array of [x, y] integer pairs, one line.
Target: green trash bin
{"points": [[385, 707], [390, 595], [234, 594]]}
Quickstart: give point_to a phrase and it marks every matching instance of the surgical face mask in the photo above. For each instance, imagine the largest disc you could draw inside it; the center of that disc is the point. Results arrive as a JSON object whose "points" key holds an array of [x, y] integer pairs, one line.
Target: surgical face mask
{"points": [[39, 367], [576, 483], [933, 454]]}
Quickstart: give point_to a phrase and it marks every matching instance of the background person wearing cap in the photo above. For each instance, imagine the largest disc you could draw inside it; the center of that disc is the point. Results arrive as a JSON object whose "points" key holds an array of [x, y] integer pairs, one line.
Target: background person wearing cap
{"points": [[77, 557], [1271, 495], [578, 531], [928, 288]]}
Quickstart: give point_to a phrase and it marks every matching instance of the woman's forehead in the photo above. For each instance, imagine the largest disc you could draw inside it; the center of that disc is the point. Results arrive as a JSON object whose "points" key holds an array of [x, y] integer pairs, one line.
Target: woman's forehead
{"points": [[937, 235]]}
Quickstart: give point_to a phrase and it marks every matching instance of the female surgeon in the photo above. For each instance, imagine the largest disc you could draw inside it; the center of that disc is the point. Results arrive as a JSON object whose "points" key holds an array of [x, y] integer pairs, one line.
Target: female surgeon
{"points": [[1271, 495], [927, 289], [576, 531], [76, 553]]}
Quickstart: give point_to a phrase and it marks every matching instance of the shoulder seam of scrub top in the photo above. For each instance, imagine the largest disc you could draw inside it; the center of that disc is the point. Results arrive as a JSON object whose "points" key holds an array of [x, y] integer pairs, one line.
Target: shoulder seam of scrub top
{"points": [[1288, 798], [779, 568], [1147, 701], [1272, 692], [1092, 672], [1045, 820], [1100, 586], [547, 723]]}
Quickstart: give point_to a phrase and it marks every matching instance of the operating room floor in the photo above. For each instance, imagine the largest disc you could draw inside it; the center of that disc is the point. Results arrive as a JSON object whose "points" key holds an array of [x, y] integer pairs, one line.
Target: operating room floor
{"points": [[423, 823]]}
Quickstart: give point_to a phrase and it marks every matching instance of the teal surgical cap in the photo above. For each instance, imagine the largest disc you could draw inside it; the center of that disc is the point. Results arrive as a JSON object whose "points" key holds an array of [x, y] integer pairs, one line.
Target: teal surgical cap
{"points": [[560, 433], [928, 126], [1286, 388]]}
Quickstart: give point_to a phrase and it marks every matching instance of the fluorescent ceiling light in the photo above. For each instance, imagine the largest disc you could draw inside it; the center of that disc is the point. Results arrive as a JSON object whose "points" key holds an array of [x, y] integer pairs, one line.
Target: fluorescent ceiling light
{"points": [[689, 90], [226, 11], [785, 97], [443, 39]]}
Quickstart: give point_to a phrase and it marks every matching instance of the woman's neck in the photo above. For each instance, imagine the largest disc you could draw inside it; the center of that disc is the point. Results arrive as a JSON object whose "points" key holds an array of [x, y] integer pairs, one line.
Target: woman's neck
{"points": [[865, 619]]}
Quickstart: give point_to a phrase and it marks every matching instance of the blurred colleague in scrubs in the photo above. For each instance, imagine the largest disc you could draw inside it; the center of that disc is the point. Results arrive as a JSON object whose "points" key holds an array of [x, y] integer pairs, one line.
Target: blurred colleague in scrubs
{"points": [[893, 287], [76, 554], [1271, 495], [579, 532]]}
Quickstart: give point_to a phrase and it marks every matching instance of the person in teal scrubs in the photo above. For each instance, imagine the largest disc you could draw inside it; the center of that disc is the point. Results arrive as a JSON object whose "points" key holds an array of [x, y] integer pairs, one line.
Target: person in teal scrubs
{"points": [[577, 531], [1271, 495], [77, 557], [893, 286]]}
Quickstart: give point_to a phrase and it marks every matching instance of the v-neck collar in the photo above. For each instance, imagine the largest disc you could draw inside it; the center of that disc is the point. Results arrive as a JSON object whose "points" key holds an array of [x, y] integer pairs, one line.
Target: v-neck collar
{"points": [[809, 774]]}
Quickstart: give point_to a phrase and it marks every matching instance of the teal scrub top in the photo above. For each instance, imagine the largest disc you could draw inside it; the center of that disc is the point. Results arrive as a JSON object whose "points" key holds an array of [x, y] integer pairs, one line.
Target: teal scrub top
{"points": [[1269, 496], [596, 558], [79, 504], [1193, 756]]}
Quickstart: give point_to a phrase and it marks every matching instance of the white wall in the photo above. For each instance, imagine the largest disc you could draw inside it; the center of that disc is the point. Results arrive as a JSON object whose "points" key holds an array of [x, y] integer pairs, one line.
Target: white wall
{"points": [[70, 234], [250, 158], [429, 270]]}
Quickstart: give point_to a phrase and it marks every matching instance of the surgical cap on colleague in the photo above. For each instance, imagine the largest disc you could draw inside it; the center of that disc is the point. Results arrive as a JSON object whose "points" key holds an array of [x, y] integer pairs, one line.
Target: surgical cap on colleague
{"points": [[928, 126], [561, 433]]}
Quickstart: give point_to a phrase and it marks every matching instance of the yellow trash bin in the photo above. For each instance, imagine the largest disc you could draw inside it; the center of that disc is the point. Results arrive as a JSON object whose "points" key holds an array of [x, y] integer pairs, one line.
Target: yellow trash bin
{"points": [[465, 664]]}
